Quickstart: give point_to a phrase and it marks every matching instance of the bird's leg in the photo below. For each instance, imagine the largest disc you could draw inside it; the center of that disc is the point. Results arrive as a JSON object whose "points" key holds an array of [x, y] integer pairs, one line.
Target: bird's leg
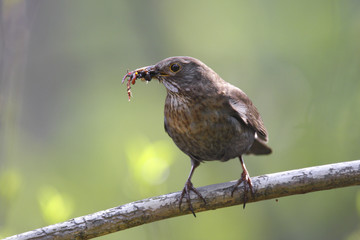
{"points": [[189, 187], [245, 177]]}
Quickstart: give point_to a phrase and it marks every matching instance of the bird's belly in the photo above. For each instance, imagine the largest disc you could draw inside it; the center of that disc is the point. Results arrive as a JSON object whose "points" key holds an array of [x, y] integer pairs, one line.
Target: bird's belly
{"points": [[210, 135]]}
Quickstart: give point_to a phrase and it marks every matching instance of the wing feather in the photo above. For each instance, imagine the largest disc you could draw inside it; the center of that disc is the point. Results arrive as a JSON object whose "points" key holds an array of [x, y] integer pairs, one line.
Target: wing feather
{"points": [[246, 110]]}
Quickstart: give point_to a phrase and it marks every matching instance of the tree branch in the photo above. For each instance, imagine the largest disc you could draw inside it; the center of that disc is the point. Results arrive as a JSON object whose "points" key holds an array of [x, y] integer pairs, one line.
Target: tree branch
{"points": [[133, 214]]}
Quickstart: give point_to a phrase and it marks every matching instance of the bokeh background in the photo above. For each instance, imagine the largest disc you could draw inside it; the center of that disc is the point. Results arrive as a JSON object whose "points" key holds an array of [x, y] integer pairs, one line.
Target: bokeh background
{"points": [[71, 144]]}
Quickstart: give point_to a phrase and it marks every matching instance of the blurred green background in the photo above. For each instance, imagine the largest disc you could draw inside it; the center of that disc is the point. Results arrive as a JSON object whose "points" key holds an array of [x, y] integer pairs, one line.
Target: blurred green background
{"points": [[71, 144]]}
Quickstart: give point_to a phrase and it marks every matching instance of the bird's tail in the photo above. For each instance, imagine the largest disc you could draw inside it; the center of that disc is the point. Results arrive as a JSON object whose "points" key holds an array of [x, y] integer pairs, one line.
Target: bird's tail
{"points": [[259, 147]]}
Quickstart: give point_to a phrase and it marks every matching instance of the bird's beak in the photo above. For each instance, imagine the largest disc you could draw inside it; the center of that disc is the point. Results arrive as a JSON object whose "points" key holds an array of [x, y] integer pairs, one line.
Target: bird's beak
{"points": [[145, 69], [151, 72], [148, 72]]}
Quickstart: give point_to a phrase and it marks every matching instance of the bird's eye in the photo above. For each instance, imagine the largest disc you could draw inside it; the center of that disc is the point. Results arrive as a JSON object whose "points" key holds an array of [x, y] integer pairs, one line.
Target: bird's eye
{"points": [[175, 67]]}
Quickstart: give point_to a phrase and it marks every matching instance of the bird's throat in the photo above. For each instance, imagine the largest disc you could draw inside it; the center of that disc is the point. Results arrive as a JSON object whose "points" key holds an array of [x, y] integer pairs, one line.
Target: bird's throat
{"points": [[172, 87]]}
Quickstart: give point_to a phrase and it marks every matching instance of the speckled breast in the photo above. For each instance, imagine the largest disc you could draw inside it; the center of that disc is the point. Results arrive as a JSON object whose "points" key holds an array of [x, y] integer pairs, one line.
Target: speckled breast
{"points": [[203, 132]]}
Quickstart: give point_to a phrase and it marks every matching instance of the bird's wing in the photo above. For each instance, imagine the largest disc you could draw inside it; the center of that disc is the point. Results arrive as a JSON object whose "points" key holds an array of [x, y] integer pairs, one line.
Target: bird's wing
{"points": [[248, 113]]}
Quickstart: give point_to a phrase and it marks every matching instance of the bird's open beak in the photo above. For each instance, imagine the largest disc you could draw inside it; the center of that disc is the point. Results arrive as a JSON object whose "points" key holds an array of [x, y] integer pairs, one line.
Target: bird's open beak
{"points": [[145, 69], [147, 73], [150, 72]]}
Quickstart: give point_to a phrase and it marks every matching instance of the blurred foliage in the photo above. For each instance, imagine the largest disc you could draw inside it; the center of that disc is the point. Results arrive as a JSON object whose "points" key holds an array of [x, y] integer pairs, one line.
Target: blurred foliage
{"points": [[54, 206], [148, 167], [10, 183], [71, 143]]}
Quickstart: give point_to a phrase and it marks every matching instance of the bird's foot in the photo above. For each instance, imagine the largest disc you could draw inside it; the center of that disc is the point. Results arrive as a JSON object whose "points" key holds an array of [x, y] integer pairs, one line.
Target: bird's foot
{"points": [[186, 193], [245, 177]]}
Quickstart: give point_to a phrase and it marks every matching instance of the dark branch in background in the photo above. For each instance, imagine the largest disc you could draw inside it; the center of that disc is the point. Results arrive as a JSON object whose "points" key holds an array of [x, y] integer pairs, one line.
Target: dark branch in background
{"points": [[133, 214]]}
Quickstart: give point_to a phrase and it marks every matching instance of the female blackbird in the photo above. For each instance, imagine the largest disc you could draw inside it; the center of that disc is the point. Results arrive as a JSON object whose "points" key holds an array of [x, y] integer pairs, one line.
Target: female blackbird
{"points": [[208, 118]]}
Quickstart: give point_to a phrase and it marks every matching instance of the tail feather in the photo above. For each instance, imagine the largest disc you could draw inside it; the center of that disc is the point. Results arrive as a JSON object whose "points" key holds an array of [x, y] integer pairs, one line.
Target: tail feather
{"points": [[259, 147]]}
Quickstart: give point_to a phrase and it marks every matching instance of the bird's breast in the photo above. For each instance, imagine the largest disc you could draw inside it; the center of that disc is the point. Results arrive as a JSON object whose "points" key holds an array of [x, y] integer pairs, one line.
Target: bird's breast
{"points": [[203, 129]]}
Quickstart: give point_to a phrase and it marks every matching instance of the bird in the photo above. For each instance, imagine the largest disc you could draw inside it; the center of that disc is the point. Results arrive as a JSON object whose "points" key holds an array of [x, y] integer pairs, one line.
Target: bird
{"points": [[207, 118]]}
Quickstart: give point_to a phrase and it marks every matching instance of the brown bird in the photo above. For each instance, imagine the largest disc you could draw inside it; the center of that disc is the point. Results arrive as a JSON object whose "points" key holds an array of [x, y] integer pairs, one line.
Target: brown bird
{"points": [[207, 117]]}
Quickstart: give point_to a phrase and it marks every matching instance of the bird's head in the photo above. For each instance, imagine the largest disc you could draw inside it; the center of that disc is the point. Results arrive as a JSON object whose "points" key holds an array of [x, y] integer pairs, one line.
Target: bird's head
{"points": [[183, 74]]}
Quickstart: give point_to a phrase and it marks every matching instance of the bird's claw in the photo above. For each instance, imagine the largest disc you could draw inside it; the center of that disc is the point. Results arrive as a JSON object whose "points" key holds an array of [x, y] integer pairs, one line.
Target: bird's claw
{"points": [[186, 193], [245, 177]]}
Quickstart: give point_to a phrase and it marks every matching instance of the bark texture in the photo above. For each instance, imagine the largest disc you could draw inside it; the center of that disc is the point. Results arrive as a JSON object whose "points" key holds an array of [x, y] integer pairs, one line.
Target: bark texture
{"points": [[152, 209]]}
